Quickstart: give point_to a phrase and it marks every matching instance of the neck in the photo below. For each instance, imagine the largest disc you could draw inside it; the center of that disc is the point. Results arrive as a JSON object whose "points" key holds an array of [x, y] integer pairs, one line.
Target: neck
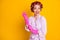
{"points": [[36, 16]]}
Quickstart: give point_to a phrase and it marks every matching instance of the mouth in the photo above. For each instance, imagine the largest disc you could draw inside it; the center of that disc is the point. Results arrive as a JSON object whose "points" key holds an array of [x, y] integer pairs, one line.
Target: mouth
{"points": [[37, 12]]}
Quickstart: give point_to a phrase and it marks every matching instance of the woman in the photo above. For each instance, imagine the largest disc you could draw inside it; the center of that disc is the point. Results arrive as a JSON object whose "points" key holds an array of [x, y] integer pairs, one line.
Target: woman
{"points": [[37, 22]]}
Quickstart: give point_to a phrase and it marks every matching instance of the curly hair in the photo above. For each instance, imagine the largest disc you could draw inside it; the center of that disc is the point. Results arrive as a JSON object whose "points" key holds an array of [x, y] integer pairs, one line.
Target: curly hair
{"points": [[36, 3]]}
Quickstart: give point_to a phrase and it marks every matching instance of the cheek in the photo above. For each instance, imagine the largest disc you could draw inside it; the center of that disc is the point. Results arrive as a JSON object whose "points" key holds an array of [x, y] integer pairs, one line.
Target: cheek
{"points": [[34, 10], [37, 10]]}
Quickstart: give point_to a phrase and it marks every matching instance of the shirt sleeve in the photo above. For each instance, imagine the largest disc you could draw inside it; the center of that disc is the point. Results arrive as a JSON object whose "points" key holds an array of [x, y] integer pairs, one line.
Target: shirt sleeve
{"points": [[43, 30], [44, 26]]}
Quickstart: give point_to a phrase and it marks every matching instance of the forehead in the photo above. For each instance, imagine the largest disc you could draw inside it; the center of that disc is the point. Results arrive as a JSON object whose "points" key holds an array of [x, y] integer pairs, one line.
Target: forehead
{"points": [[36, 5]]}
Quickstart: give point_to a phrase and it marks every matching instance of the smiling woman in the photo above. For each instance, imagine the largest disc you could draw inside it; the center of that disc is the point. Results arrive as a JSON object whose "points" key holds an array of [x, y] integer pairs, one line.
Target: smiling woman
{"points": [[37, 22], [12, 23]]}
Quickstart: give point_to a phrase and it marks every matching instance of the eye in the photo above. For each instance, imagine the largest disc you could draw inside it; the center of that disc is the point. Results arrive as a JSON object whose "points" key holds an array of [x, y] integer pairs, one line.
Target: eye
{"points": [[34, 7]]}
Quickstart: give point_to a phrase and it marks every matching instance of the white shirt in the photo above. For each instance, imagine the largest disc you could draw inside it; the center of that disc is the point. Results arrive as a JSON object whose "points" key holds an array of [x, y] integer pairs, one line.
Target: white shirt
{"points": [[39, 24]]}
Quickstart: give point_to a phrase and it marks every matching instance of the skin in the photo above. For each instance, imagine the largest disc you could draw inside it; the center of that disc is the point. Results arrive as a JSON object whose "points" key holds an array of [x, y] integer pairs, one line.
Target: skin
{"points": [[36, 13], [36, 10]]}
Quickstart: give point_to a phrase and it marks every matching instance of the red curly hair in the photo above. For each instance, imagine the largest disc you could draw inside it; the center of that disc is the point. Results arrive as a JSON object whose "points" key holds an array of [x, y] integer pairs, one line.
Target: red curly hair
{"points": [[36, 3]]}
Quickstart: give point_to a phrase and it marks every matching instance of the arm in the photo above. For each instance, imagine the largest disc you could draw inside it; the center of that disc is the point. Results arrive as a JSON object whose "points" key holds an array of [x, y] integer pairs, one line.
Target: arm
{"points": [[28, 25], [43, 30]]}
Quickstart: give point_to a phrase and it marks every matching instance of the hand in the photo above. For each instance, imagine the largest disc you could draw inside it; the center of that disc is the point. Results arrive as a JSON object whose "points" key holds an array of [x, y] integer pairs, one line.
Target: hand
{"points": [[40, 34], [26, 25]]}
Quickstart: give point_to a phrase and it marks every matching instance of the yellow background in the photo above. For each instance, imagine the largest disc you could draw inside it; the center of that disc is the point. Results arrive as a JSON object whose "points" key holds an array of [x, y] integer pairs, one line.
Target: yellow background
{"points": [[12, 22]]}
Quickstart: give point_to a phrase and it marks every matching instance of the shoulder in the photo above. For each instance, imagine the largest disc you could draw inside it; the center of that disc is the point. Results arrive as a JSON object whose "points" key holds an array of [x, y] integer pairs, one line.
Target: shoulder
{"points": [[31, 17], [43, 18]]}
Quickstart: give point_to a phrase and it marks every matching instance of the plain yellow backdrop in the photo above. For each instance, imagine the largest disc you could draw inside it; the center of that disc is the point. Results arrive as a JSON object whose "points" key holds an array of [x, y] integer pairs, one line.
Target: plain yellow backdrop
{"points": [[12, 22]]}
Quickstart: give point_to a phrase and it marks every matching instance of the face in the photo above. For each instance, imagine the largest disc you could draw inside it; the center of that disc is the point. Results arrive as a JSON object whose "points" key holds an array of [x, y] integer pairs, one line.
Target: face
{"points": [[36, 9]]}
